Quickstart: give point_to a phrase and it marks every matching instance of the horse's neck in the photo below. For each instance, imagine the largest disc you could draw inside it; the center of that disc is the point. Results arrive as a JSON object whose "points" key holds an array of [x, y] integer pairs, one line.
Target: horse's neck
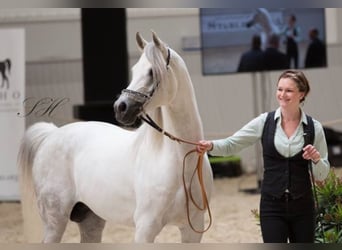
{"points": [[268, 28], [179, 123], [181, 118], [183, 111]]}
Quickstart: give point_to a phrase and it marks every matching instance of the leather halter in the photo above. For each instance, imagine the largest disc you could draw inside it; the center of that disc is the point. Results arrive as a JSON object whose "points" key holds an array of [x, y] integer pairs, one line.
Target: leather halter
{"points": [[142, 97]]}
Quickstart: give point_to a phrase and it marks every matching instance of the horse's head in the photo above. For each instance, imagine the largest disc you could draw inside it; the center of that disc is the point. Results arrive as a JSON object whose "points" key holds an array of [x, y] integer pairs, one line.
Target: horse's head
{"points": [[261, 17], [145, 89]]}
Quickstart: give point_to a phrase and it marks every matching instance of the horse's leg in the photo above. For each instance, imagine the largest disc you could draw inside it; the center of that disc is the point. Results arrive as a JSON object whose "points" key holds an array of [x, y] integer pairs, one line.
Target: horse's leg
{"points": [[54, 216], [148, 222], [2, 78], [188, 234], [91, 228], [146, 230], [54, 233], [7, 83]]}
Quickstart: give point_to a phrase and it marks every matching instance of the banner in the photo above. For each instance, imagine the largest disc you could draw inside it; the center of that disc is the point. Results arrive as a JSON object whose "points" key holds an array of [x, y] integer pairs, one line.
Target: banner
{"points": [[12, 93]]}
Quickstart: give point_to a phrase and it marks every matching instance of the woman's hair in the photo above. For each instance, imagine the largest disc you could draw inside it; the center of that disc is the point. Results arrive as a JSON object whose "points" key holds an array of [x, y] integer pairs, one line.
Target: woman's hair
{"points": [[299, 78]]}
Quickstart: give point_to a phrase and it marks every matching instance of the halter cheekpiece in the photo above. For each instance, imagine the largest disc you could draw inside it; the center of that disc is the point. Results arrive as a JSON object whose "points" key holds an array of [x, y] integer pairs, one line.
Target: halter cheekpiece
{"points": [[142, 97]]}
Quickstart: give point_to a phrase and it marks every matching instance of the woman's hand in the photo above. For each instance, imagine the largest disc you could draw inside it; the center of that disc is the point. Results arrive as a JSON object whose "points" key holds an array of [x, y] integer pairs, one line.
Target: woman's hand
{"points": [[311, 153], [204, 146]]}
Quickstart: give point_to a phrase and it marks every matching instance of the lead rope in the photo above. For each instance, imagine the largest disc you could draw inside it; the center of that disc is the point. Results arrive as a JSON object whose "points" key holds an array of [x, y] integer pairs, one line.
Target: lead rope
{"points": [[320, 221], [198, 169], [313, 182]]}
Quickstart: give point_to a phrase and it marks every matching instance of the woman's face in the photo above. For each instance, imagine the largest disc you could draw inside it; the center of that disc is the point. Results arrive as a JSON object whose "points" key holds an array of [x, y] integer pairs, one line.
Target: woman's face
{"points": [[288, 94]]}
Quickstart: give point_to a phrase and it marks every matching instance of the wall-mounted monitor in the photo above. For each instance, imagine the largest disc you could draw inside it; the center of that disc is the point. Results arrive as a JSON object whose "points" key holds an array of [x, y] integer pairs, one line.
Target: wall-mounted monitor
{"points": [[263, 39]]}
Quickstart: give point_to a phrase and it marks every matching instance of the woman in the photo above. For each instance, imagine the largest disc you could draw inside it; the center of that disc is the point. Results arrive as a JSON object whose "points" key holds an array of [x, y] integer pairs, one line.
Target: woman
{"points": [[290, 139]]}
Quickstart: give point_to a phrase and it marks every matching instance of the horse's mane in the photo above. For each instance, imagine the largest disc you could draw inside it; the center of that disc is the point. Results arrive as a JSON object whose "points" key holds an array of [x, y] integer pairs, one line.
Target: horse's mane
{"points": [[265, 12], [156, 58]]}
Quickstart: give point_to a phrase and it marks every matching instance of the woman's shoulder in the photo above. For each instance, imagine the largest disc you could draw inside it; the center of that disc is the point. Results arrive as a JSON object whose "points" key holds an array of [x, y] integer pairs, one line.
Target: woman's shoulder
{"points": [[259, 120], [315, 121], [262, 117], [317, 124]]}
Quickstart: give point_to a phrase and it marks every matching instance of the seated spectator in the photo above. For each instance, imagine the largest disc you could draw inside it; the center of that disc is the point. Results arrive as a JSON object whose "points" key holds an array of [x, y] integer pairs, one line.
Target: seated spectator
{"points": [[316, 52], [251, 60], [272, 57]]}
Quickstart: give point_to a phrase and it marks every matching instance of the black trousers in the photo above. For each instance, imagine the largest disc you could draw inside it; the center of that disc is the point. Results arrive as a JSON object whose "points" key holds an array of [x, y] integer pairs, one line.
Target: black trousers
{"points": [[287, 220], [292, 52]]}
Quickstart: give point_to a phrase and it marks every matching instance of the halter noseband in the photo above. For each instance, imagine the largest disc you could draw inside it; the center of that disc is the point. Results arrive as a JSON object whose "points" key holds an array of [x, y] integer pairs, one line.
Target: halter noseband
{"points": [[142, 97]]}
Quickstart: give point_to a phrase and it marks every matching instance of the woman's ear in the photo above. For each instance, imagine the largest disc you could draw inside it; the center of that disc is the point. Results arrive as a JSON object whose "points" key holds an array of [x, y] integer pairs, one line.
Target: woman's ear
{"points": [[302, 97]]}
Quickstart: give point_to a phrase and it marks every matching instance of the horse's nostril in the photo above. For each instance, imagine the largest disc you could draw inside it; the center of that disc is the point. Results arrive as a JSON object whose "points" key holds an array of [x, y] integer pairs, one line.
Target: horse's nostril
{"points": [[122, 107]]}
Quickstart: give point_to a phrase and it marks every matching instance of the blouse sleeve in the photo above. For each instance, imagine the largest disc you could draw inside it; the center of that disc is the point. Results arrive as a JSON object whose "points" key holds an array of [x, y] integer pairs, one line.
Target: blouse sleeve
{"points": [[246, 136], [322, 167]]}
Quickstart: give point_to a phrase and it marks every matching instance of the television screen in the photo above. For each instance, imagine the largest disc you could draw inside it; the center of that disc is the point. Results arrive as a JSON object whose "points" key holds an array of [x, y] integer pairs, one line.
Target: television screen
{"points": [[249, 40]]}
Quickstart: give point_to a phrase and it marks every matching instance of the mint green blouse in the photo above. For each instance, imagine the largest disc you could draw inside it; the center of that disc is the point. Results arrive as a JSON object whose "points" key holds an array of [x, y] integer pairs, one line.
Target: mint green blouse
{"points": [[288, 147]]}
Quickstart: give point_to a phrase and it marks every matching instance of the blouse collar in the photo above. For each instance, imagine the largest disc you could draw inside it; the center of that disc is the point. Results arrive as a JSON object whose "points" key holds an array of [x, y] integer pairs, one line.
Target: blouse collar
{"points": [[303, 116]]}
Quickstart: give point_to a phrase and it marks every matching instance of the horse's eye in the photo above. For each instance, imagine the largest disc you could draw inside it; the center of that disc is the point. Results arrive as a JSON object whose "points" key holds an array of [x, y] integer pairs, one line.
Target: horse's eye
{"points": [[150, 73]]}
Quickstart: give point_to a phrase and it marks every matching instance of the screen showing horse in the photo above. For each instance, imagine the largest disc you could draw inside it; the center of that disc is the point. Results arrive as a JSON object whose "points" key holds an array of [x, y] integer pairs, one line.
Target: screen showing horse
{"points": [[249, 40]]}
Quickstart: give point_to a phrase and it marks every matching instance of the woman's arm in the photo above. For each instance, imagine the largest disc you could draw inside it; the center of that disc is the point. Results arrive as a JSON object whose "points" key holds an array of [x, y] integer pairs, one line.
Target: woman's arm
{"points": [[318, 153], [246, 136]]}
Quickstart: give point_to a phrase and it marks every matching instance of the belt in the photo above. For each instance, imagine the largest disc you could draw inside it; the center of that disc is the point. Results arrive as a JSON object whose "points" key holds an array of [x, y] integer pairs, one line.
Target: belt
{"points": [[287, 196]]}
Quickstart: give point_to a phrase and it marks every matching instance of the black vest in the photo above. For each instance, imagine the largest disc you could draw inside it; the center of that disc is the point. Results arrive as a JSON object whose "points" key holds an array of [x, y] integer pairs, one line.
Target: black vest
{"points": [[281, 173]]}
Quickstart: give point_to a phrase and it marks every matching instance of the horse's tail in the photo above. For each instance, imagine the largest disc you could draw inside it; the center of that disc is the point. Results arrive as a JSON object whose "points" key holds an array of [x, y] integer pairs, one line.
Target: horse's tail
{"points": [[30, 144]]}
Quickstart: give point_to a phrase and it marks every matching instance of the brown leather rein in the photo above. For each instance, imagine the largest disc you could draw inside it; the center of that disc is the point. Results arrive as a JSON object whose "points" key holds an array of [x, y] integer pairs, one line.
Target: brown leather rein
{"points": [[199, 169]]}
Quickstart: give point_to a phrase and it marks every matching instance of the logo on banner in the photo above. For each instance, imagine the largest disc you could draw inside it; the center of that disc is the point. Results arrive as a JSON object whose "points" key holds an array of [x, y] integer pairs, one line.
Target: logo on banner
{"points": [[5, 70], [9, 94]]}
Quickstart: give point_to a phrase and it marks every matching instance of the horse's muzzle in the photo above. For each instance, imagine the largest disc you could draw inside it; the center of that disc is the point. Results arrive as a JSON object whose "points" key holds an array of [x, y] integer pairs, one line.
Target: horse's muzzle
{"points": [[127, 111], [249, 24]]}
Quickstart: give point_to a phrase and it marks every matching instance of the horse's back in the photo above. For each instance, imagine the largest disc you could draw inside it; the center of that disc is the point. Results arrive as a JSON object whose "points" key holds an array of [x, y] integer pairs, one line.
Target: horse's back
{"points": [[84, 144], [86, 157], [78, 136]]}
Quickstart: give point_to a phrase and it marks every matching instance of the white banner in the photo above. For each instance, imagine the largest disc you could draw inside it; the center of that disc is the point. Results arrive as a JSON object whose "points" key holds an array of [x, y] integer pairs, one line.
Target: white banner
{"points": [[12, 94], [235, 22]]}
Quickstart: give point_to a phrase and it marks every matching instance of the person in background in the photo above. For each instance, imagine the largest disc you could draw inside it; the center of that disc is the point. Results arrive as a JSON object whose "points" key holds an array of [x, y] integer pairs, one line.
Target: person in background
{"points": [[290, 140], [252, 60], [316, 54], [273, 59], [293, 35]]}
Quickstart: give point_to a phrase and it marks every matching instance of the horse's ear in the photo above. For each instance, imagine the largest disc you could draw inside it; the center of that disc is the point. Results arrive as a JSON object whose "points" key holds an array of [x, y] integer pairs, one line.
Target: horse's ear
{"points": [[140, 41], [156, 39], [159, 43]]}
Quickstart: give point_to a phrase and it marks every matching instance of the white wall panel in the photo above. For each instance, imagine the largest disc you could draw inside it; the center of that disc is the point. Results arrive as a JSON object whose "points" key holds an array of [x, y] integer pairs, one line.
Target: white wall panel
{"points": [[54, 53]]}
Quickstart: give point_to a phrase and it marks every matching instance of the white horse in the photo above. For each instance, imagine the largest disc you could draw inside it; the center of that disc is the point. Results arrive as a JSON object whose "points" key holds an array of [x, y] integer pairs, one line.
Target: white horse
{"points": [[92, 172], [262, 18]]}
